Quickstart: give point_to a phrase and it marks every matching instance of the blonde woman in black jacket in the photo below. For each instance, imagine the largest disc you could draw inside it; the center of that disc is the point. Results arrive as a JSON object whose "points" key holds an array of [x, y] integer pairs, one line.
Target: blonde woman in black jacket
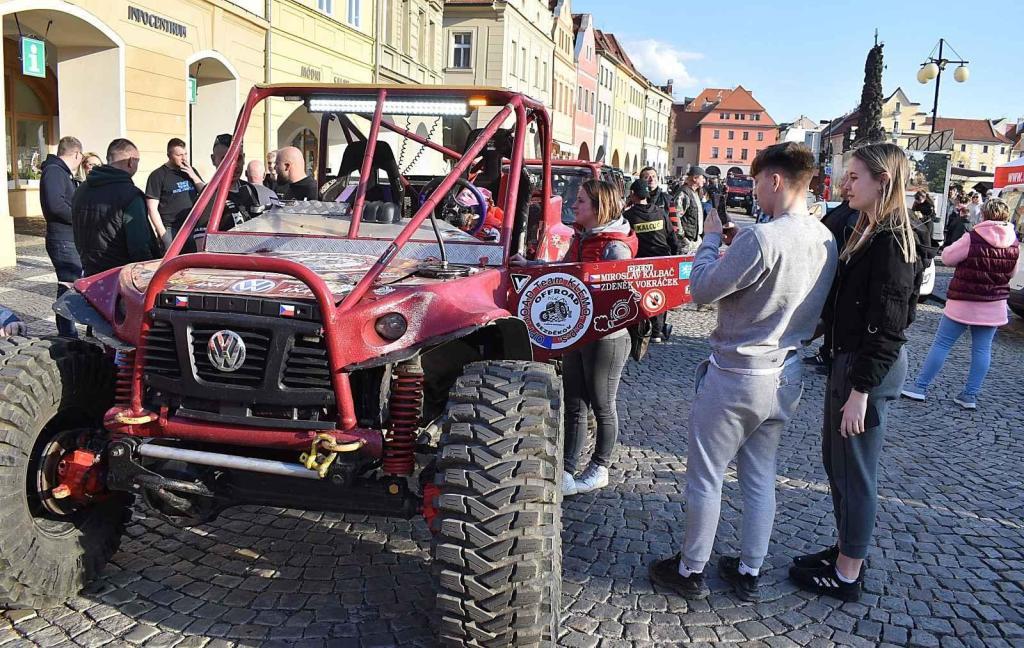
{"points": [[872, 302]]}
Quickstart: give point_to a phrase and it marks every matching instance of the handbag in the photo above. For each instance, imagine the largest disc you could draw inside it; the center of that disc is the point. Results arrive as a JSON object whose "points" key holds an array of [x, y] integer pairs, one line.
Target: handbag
{"points": [[640, 339]]}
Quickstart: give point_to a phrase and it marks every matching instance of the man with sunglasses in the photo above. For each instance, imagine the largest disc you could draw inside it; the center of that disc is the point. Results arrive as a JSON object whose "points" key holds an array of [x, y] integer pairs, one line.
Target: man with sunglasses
{"points": [[111, 223]]}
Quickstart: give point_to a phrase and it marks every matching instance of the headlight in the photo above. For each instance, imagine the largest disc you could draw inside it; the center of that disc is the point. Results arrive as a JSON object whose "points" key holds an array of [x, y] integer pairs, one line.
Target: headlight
{"points": [[391, 326]]}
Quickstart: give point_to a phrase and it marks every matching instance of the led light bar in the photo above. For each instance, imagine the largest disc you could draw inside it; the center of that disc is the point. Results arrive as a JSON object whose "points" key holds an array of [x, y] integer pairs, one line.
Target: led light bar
{"points": [[367, 106]]}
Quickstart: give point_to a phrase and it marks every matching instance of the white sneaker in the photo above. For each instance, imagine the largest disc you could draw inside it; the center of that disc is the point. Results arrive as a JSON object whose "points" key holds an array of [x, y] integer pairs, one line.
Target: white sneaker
{"points": [[913, 393], [568, 484], [593, 477]]}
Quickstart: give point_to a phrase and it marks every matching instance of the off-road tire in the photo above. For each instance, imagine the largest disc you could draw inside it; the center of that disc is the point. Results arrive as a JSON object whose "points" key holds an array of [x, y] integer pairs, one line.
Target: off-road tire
{"points": [[49, 385], [497, 546]]}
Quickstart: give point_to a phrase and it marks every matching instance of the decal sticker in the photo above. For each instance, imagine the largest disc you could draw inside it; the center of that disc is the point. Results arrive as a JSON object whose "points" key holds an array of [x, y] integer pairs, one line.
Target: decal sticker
{"points": [[557, 309], [518, 281], [383, 290], [623, 310], [684, 269], [253, 286], [653, 301]]}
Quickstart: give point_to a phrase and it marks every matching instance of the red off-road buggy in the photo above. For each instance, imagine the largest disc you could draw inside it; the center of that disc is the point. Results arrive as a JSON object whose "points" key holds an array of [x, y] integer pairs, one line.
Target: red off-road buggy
{"points": [[358, 353]]}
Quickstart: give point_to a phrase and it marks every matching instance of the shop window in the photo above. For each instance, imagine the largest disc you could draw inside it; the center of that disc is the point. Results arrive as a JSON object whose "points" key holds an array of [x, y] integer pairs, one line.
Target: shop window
{"points": [[30, 114], [462, 50], [306, 142]]}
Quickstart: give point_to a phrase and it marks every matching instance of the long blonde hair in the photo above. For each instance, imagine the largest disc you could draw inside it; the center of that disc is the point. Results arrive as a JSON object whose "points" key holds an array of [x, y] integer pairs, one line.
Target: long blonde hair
{"points": [[891, 212]]}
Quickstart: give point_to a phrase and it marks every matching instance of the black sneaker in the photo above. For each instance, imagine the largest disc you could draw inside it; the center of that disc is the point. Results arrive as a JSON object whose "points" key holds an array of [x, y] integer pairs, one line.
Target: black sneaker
{"points": [[823, 580], [823, 557], [666, 573], [745, 586]]}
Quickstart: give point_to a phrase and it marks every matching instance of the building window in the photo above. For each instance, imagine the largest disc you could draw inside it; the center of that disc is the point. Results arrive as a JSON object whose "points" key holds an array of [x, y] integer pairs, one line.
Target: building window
{"points": [[963, 149], [760, 137], [757, 116], [1002, 150], [326, 6], [984, 149], [736, 116], [728, 153], [681, 152], [984, 167], [743, 154], [725, 115], [715, 135], [462, 50], [353, 14], [746, 135], [714, 151], [522, 64], [913, 125], [515, 58], [732, 134]]}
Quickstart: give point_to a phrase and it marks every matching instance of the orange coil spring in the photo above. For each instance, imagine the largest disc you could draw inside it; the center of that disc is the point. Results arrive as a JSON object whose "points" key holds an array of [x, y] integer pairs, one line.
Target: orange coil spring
{"points": [[124, 361], [406, 401]]}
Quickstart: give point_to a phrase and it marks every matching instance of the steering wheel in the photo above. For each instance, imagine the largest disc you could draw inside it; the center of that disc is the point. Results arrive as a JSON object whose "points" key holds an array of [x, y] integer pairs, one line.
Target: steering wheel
{"points": [[448, 206]]}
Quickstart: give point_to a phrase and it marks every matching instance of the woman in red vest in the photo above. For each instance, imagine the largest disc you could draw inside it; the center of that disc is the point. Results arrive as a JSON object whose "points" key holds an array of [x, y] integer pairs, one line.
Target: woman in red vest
{"points": [[985, 261], [591, 373]]}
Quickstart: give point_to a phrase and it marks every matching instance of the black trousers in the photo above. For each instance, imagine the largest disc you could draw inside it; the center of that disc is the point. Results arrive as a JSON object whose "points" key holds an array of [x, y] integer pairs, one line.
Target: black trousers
{"points": [[658, 325], [590, 378], [68, 266], [852, 463]]}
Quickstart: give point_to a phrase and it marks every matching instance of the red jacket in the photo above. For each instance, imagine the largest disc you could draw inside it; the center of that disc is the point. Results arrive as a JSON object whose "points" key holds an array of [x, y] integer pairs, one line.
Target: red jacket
{"points": [[589, 246]]}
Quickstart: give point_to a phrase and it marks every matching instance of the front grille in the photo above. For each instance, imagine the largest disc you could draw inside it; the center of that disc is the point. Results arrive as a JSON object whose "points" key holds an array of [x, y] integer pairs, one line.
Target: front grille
{"points": [[257, 343], [161, 354], [306, 364]]}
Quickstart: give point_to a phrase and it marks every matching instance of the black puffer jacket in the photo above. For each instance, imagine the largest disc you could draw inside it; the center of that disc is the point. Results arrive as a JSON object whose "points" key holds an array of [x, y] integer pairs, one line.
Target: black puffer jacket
{"points": [[56, 191], [873, 301]]}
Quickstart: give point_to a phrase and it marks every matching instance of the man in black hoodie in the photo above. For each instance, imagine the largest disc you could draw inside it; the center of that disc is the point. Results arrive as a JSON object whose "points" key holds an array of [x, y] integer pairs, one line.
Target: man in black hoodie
{"points": [[658, 197], [111, 222], [56, 190], [655, 236]]}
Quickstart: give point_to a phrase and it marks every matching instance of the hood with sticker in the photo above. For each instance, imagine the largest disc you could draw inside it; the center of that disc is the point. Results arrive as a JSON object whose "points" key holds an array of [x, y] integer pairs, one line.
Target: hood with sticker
{"points": [[340, 271]]}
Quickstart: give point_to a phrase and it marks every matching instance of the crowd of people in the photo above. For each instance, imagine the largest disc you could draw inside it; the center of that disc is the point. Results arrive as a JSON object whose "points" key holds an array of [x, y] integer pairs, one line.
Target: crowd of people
{"points": [[98, 219], [852, 278]]}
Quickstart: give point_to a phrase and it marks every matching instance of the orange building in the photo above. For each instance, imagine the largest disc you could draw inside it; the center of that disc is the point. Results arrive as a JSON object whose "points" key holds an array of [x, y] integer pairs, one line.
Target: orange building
{"points": [[733, 129]]}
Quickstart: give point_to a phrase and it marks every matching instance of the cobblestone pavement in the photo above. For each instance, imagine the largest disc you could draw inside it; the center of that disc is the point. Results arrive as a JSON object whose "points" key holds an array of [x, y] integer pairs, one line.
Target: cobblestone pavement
{"points": [[948, 568]]}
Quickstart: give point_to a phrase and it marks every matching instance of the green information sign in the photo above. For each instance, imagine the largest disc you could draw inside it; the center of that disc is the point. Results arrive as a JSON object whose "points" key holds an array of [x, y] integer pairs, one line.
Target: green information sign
{"points": [[33, 57], [193, 90]]}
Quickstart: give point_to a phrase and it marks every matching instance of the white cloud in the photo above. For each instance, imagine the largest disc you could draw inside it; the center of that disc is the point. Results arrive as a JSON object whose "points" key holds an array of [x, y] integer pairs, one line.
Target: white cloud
{"points": [[660, 62]]}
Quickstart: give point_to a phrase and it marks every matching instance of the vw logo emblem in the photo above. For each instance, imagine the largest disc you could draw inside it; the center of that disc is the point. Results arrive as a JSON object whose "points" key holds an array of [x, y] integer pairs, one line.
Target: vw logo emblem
{"points": [[226, 350], [253, 285]]}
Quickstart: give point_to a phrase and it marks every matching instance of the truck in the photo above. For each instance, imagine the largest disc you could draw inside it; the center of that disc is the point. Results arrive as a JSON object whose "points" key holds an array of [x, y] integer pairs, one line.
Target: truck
{"points": [[358, 354], [739, 192]]}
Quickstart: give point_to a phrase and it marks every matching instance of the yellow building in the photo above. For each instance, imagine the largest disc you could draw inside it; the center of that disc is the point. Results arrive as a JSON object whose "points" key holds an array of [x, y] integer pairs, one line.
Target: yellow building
{"points": [[121, 68], [320, 41], [563, 81], [628, 104], [903, 119], [976, 144]]}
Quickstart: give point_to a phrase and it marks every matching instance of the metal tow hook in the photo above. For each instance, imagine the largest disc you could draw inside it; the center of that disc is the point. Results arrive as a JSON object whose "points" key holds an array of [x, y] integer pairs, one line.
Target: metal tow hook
{"points": [[324, 450]]}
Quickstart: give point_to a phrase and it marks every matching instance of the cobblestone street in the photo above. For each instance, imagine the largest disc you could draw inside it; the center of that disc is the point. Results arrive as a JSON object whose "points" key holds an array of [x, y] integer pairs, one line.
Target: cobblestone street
{"points": [[947, 568]]}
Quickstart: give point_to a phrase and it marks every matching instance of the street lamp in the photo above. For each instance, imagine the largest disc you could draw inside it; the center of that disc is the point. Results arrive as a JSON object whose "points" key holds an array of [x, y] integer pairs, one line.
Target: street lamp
{"points": [[932, 69]]}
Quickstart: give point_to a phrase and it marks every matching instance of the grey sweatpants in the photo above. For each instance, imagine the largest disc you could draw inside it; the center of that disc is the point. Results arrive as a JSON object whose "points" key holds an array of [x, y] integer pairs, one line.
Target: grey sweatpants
{"points": [[741, 416], [852, 463]]}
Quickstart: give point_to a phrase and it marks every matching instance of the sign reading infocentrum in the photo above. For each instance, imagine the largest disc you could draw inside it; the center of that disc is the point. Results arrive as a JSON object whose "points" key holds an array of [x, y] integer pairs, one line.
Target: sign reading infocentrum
{"points": [[158, 23]]}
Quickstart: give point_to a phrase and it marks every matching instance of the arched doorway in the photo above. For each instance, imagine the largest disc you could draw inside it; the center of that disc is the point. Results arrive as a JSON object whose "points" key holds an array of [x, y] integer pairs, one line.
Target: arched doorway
{"points": [[302, 130], [735, 171], [627, 167], [83, 80], [713, 170], [584, 152], [215, 107], [615, 159]]}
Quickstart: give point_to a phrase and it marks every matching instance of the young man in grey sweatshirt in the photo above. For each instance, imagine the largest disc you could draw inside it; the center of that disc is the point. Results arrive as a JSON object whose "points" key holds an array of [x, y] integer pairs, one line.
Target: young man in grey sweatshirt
{"points": [[770, 287]]}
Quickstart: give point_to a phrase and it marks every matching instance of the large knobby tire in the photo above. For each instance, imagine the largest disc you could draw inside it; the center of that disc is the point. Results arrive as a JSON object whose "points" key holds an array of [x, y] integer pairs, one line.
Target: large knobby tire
{"points": [[50, 389], [498, 546]]}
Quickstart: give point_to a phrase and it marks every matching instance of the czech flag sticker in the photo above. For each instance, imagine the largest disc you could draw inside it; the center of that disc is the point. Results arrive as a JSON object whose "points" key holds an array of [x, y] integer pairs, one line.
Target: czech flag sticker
{"points": [[181, 301], [287, 310]]}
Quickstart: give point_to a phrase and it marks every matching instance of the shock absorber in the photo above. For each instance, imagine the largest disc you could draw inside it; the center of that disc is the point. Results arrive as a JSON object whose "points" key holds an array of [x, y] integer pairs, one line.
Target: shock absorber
{"points": [[124, 361], [405, 406]]}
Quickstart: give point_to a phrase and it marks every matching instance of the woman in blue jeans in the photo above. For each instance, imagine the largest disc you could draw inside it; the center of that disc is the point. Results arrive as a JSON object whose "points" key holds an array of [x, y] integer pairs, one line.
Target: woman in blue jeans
{"points": [[985, 260]]}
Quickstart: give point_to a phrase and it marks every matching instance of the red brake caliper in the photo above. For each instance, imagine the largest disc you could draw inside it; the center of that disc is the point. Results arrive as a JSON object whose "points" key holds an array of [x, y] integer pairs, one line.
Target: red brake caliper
{"points": [[430, 492], [80, 476]]}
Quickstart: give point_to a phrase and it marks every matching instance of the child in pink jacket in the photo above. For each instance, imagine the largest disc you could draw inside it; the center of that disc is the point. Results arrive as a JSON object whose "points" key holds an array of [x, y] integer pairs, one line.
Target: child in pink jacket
{"points": [[985, 259]]}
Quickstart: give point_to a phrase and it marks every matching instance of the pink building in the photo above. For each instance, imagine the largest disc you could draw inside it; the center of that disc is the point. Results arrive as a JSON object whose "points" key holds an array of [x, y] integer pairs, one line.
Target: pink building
{"points": [[586, 85]]}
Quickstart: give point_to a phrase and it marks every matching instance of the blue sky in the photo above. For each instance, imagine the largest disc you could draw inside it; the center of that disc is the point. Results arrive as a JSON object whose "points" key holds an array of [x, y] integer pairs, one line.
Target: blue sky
{"points": [[804, 57]]}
